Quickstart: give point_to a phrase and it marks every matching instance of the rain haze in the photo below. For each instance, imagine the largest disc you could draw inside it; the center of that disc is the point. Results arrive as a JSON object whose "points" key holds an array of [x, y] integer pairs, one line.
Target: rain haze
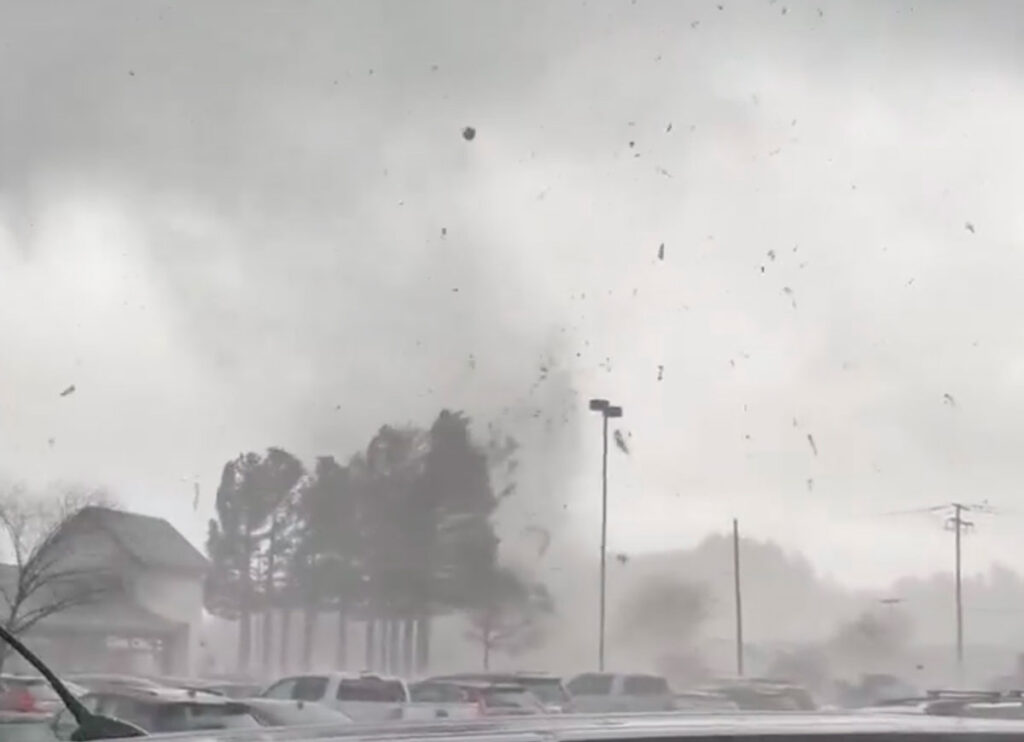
{"points": [[781, 235]]}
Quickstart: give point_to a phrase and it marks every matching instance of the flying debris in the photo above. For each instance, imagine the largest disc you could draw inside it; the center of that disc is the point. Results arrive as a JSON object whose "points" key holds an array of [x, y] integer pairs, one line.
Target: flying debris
{"points": [[948, 399], [668, 129], [69, 391], [469, 133], [810, 485], [771, 255], [661, 251], [543, 537], [789, 292], [969, 227], [814, 446], [622, 558], [620, 442], [661, 372]]}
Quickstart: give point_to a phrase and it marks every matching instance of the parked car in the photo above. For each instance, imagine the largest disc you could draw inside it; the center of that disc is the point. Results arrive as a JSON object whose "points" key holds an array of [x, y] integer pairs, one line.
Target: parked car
{"points": [[272, 712], [158, 710], [489, 697], [701, 701], [364, 696], [217, 686], [28, 693], [606, 692], [764, 694], [26, 727], [548, 689]]}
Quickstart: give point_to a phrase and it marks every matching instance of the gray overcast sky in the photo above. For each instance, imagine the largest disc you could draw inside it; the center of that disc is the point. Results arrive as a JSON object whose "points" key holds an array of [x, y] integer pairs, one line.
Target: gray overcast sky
{"points": [[235, 225]]}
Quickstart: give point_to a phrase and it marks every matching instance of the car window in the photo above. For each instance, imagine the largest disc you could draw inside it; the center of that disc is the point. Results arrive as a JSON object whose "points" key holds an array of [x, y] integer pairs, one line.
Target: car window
{"points": [[131, 711], [281, 689], [311, 688], [548, 690], [591, 684], [509, 698], [371, 689], [436, 693], [644, 685]]}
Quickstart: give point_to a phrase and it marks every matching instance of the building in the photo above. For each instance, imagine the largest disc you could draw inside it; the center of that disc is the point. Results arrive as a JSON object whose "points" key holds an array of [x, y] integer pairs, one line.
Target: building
{"points": [[148, 620]]}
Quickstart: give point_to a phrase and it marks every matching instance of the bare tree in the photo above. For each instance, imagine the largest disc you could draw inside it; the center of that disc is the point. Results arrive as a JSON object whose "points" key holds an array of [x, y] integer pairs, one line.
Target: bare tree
{"points": [[45, 578], [510, 615]]}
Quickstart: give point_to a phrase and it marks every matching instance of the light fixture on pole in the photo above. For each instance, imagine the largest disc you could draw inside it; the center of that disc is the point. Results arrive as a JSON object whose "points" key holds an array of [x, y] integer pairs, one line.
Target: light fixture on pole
{"points": [[607, 411]]}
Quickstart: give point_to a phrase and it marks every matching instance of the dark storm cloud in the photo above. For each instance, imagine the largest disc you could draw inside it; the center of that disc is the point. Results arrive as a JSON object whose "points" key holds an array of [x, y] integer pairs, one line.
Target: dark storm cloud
{"points": [[243, 223]]}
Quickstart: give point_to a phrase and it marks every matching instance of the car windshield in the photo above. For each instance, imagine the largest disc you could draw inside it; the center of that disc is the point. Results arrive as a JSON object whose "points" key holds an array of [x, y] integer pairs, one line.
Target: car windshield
{"points": [[657, 346]]}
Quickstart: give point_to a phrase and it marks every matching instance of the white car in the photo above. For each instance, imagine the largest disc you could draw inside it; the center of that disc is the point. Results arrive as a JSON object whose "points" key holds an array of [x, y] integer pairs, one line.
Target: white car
{"points": [[274, 712], [365, 697], [609, 692]]}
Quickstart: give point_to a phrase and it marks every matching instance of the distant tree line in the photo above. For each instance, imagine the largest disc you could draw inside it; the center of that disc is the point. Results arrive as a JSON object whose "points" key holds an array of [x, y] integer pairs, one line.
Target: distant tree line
{"points": [[399, 534]]}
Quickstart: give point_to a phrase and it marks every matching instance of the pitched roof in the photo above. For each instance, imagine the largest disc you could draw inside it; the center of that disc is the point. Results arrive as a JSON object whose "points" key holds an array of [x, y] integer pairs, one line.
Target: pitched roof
{"points": [[152, 541]]}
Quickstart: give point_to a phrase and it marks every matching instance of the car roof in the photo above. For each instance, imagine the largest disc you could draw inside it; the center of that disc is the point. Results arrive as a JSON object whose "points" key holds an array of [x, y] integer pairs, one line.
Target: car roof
{"points": [[339, 675], [133, 680], [164, 695], [484, 684], [513, 677]]}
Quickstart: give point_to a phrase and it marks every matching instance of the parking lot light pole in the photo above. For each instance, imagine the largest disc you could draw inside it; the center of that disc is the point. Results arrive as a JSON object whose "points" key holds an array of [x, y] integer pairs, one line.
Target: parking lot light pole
{"points": [[607, 410]]}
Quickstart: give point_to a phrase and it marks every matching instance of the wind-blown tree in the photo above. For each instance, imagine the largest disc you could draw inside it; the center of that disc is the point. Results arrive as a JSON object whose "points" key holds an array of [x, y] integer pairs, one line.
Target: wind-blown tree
{"points": [[398, 535], [453, 505], [251, 490], [46, 577], [277, 588], [328, 566], [509, 616]]}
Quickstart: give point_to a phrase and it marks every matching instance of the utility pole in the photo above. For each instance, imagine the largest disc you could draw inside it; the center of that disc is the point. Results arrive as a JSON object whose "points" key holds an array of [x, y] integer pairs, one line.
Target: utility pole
{"points": [[607, 410], [957, 524], [739, 599]]}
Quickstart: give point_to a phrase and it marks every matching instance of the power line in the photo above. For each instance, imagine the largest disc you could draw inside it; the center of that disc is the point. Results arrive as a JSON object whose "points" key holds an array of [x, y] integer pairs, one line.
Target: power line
{"points": [[956, 523]]}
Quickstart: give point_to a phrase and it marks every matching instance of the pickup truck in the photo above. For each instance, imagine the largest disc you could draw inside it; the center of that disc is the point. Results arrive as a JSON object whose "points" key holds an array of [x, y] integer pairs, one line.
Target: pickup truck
{"points": [[367, 697]]}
